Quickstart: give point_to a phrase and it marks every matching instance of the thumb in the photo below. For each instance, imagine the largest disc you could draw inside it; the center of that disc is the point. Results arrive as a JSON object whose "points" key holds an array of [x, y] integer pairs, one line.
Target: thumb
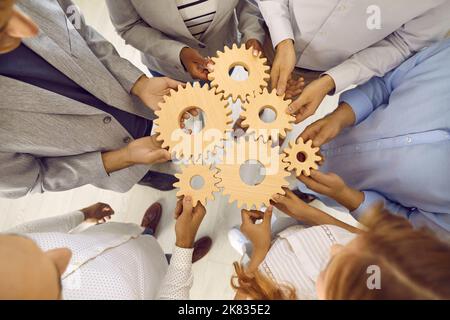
{"points": [[296, 105], [282, 82], [187, 205], [173, 84]]}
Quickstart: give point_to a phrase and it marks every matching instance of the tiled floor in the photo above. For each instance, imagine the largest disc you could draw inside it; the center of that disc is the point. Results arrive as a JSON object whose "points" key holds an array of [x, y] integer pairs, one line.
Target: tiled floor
{"points": [[212, 274]]}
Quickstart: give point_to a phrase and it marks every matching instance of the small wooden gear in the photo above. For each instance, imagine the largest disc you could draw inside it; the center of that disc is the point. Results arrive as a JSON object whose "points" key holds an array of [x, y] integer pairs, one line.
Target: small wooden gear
{"points": [[239, 56], [309, 155], [267, 130], [206, 191], [217, 118], [241, 152]]}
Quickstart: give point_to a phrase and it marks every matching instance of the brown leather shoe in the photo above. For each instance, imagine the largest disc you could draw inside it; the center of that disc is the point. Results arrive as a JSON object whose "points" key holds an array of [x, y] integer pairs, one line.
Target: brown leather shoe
{"points": [[152, 217], [201, 248]]}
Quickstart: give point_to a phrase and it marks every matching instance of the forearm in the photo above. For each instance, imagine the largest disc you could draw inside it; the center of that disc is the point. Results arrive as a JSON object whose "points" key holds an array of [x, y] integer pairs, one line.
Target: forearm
{"points": [[344, 115], [116, 160], [316, 217], [258, 256]]}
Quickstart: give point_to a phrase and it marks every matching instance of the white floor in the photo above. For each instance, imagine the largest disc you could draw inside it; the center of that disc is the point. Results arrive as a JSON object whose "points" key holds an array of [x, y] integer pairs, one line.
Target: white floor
{"points": [[212, 274]]}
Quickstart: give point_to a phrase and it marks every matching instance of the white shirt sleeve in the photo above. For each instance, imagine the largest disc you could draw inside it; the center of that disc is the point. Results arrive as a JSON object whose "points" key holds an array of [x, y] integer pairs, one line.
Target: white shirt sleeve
{"points": [[62, 223], [179, 279], [277, 16], [390, 52]]}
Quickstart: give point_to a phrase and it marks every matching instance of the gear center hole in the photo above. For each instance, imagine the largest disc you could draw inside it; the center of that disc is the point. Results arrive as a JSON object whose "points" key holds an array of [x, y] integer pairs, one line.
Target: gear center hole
{"points": [[267, 114], [238, 72], [197, 182], [196, 121], [252, 172], [301, 157]]}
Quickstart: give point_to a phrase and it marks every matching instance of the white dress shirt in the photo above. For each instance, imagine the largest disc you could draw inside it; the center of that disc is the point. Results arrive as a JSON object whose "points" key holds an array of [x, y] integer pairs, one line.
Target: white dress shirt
{"points": [[112, 260], [299, 254], [342, 37]]}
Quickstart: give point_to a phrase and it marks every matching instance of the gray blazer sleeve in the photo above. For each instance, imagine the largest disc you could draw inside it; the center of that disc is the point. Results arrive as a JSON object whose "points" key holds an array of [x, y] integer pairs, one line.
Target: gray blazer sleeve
{"points": [[251, 23], [123, 70], [23, 173], [137, 33]]}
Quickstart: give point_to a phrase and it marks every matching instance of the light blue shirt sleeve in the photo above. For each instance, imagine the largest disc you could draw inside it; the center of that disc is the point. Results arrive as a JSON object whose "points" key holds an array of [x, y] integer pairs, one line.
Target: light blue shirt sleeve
{"points": [[365, 98], [417, 218]]}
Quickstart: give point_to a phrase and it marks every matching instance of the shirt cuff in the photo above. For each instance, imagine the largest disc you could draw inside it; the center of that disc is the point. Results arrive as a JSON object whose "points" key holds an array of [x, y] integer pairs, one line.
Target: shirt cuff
{"points": [[360, 103], [278, 21], [371, 198], [181, 258]]}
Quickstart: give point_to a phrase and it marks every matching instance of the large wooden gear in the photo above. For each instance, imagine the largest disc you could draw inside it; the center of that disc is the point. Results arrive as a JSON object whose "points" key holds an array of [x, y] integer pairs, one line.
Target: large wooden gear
{"points": [[310, 157], [217, 121], [239, 56], [206, 191], [239, 153], [267, 130]]}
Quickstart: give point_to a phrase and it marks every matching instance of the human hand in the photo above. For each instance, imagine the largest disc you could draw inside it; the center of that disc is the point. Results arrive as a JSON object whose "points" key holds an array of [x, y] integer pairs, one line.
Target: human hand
{"points": [[152, 90], [189, 219], [311, 97], [256, 45], [195, 63], [328, 128], [146, 150], [294, 87], [291, 205], [283, 66], [99, 212], [333, 186], [259, 234]]}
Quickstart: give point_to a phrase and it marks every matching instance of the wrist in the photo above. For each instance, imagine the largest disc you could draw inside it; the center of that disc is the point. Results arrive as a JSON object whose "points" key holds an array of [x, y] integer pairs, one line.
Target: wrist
{"points": [[116, 160], [345, 116], [285, 44], [183, 54], [184, 243], [328, 84], [350, 198], [256, 259], [139, 85]]}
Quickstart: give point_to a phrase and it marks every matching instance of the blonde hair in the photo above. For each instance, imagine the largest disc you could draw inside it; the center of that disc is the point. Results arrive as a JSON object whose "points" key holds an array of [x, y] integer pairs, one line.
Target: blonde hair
{"points": [[259, 287], [413, 264]]}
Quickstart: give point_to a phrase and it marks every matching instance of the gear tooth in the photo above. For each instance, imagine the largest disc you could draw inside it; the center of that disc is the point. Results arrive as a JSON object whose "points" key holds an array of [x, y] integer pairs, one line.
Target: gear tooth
{"points": [[235, 47], [263, 60], [309, 143]]}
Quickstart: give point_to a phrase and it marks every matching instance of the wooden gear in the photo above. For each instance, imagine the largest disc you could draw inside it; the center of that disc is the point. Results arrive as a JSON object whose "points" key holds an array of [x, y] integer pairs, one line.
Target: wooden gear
{"points": [[206, 192], [273, 130], [217, 118], [225, 61], [310, 154], [248, 195]]}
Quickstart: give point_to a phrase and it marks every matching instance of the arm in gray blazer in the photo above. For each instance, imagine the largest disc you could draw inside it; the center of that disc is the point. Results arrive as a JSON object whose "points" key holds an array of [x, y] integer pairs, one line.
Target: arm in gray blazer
{"points": [[137, 33], [23, 173], [251, 23], [123, 70]]}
